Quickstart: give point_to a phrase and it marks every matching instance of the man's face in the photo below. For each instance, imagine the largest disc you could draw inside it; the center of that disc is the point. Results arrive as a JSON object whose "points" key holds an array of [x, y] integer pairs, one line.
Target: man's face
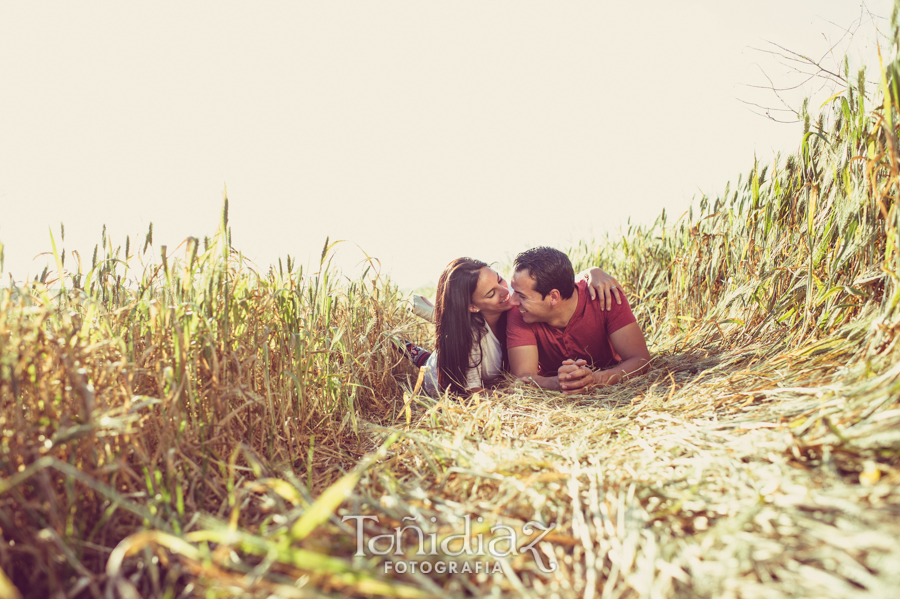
{"points": [[526, 300]]}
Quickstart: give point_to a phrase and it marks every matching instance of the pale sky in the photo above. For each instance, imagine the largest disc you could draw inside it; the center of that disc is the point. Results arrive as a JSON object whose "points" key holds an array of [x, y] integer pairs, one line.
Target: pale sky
{"points": [[417, 131]]}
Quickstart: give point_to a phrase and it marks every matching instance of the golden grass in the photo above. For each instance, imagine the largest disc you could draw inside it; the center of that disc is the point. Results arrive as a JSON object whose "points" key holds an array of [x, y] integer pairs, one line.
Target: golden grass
{"points": [[719, 472], [193, 427]]}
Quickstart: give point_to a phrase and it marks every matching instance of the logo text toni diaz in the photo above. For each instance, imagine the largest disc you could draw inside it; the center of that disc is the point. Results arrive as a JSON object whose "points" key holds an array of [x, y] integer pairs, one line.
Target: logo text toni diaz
{"points": [[502, 542]]}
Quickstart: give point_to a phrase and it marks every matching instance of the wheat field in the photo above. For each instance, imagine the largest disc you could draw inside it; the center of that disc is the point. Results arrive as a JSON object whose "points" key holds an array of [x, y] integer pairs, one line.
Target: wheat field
{"points": [[180, 423]]}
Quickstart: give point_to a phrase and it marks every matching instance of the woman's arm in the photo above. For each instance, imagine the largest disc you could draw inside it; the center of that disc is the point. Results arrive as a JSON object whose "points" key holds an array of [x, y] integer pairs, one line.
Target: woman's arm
{"points": [[601, 286]]}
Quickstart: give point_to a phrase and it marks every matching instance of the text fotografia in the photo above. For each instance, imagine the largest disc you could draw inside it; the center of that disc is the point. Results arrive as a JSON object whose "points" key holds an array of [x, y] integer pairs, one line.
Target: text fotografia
{"points": [[443, 567], [502, 542]]}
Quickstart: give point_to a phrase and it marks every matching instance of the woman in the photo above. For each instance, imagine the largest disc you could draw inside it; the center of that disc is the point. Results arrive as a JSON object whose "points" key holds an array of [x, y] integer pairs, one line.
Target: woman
{"points": [[470, 319]]}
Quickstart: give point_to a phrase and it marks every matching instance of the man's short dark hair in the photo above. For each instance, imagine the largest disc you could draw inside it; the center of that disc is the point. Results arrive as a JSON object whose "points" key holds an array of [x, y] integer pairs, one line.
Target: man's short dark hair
{"points": [[550, 268]]}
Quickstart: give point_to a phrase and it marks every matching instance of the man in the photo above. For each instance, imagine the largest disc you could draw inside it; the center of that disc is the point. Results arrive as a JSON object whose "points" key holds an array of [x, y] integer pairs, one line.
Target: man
{"points": [[560, 340]]}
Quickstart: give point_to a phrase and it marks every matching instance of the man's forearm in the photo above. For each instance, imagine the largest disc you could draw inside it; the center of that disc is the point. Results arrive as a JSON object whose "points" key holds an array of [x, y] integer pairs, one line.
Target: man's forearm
{"points": [[544, 382], [523, 363], [631, 366]]}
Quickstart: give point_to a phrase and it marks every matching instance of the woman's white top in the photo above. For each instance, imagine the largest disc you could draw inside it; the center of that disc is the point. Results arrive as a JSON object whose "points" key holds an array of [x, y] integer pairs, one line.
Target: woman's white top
{"points": [[489, 351]]}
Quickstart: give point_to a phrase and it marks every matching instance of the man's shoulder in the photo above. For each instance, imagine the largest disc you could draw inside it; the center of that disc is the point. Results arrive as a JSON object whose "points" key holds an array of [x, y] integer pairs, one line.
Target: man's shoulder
{"points": [[617, 316], [587, 306], [516, 322], [519, 332], [514, 319]]}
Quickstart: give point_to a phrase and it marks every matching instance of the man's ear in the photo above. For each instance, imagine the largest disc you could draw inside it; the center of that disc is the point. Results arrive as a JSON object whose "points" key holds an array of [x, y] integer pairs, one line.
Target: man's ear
{"points": [[555, 297]]}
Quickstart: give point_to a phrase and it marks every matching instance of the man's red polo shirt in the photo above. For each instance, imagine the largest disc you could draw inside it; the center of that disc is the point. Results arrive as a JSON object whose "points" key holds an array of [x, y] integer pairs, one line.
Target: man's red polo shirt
{"points": [[586, 337]]}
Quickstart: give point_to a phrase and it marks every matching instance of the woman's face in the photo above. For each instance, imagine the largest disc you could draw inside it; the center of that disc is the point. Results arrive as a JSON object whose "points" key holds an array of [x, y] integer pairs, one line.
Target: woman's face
{"points": [[491, 295]]}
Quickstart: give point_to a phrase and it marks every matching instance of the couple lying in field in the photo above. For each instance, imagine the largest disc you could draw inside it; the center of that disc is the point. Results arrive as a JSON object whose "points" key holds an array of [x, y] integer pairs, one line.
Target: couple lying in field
{"points": [[546, 328]]}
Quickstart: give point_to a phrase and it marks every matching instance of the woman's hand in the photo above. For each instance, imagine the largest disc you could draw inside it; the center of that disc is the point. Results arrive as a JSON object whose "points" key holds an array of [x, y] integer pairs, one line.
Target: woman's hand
{"points": [[601, 286]]}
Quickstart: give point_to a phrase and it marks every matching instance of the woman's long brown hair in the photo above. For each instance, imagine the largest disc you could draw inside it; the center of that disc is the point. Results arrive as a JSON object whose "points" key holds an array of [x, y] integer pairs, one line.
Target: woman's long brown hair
{"points": [[458, 329]]}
